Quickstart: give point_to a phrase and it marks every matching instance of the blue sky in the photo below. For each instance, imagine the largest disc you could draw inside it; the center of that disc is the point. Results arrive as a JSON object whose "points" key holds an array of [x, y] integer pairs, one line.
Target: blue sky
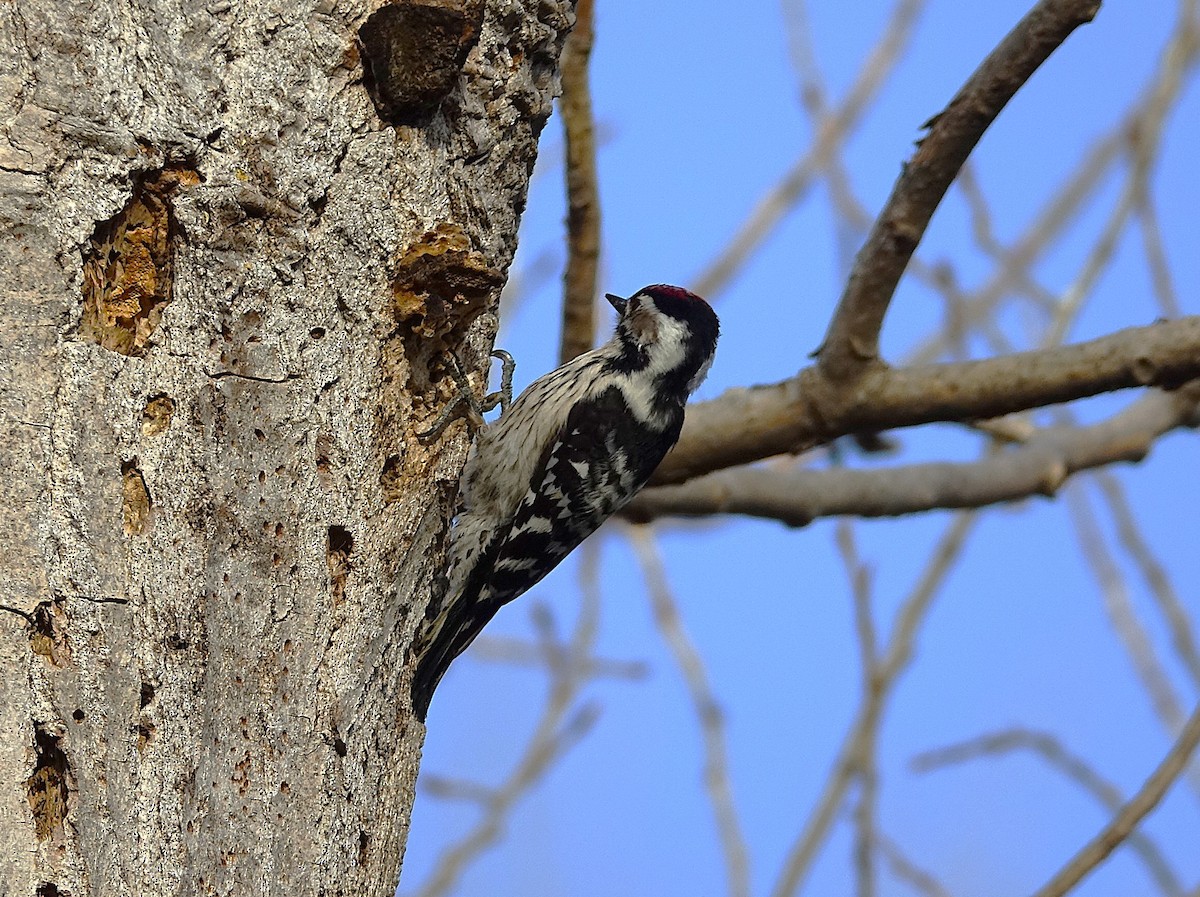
{"points": [[699, 104]]}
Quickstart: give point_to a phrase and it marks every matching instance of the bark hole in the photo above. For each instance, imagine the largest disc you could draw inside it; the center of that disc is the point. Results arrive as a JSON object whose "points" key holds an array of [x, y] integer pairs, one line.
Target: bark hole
{"points": [[47, 636], [50, 889], [146, 696], [364, 841], [441, 283], [127, 266], [337, 556], [156, 416], [137, 504], [323, 458], [412, 53], [47, 787], [390, 479]]}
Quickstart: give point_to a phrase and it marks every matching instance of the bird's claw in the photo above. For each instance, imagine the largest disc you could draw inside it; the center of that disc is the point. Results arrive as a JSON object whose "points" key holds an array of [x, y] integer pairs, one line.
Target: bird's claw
{"points": [[501, 397]]}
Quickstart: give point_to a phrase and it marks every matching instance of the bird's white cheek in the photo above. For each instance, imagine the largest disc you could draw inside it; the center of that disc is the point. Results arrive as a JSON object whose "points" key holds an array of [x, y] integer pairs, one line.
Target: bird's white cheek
{"points": [[695, 382]]}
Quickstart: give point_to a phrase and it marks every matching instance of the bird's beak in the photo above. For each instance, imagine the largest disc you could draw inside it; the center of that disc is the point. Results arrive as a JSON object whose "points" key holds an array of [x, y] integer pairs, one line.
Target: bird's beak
{"points": [[617, 302]]}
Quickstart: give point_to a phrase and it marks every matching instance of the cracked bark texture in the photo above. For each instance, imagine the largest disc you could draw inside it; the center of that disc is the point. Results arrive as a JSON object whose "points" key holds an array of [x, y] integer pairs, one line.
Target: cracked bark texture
{"points": [[225, 284]]}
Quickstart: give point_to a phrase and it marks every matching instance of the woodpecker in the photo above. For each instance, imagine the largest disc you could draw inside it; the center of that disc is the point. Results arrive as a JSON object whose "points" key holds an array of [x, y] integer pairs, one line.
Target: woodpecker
{"points": [[572, 450]]}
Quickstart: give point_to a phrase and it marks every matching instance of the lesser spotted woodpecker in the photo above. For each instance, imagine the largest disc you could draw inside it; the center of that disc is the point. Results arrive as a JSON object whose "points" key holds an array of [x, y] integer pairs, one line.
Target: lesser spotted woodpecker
{"points": [[573, 449]]}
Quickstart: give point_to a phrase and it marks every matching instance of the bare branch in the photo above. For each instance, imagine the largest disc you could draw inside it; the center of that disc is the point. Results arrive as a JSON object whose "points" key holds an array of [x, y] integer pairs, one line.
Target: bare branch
{"points": [[1131, 814], [797, 496], [1143, 148], [852, 341], [1013, 266], [865, 812], [1059, 758], [521, 652], [745, 425], [583, 196], [446, 788], [907, 871], [708, 711], [1156, 256], [859, 576], [1073, 298], [1137, 134]]}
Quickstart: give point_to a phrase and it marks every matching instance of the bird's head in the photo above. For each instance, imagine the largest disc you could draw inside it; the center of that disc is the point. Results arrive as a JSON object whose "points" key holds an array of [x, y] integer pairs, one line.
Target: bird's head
{"points": [[668, 332]]}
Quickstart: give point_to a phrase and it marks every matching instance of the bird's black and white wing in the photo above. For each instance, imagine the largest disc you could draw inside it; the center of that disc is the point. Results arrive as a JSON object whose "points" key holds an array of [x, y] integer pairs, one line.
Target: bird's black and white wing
{"points": [[589, 471]]}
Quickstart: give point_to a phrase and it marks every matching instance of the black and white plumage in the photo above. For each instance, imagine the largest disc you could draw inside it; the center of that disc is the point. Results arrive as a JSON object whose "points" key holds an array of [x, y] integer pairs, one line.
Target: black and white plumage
{"points": [[573, 449]]}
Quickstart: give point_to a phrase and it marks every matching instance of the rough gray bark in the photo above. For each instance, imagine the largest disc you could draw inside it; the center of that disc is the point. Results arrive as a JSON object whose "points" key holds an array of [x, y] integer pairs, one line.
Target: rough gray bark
{"points": [[225, 285]]}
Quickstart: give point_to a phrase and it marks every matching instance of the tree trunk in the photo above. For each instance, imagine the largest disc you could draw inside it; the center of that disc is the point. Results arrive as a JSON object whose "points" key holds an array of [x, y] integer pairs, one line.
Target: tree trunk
{"points": [[231, 264]]}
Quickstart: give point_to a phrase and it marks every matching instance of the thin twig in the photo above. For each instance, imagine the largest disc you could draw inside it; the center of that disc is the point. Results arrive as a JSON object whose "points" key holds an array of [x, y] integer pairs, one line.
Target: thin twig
{"points": [[1156, 257], [894, 661], [865, 813], [1120, 610], [708, 711], [941, 276], [907, 871], [795, 183], [583, 196], [1049, 749], [521, 652], [1130, 815], [1012, 270], [984, 233], [1073, 298], [813, 98], [1179, 624], [866, 765], [1143, 143], [1142, 128], [445, 788], [859, 576], [1145, 116]]}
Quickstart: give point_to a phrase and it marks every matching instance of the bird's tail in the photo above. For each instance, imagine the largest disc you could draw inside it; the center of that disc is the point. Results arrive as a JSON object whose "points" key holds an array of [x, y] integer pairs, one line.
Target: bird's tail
{"points": [[466, 607], [457, 628]]}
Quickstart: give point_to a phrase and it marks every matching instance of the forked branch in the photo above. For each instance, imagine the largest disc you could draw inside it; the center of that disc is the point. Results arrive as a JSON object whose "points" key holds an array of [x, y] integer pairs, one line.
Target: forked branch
{"points": [[852, 341], [746, 425], [1039, 467]]}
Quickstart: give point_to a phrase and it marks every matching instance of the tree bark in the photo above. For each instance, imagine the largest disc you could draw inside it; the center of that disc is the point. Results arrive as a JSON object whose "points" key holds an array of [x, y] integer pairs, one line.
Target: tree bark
{"points": [[227, 284]]}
